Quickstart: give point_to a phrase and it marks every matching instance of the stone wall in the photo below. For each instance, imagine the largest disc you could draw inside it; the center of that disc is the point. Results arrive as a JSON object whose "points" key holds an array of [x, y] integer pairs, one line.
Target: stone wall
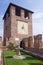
{"points": [[36, 46], [38, 41], [30, 40], [26, 45]]}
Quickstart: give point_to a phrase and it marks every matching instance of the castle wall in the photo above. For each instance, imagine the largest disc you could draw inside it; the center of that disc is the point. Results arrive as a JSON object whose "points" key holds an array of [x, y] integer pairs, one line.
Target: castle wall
{"points": [[36, 46]]}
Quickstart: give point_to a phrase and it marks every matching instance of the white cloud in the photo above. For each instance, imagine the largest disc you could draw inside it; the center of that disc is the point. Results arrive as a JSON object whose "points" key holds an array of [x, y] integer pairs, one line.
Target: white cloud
{"points": [[1, 25], [38, 15], [1, 31], [1, 17], [38, 23], [38, 28]]}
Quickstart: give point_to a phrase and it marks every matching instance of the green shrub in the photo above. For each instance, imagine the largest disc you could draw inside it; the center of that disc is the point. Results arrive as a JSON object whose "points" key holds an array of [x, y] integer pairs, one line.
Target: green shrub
{"points": [[10, 46]]}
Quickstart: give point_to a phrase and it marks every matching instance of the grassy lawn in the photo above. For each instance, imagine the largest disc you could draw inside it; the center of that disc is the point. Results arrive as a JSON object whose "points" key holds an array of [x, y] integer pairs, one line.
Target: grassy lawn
{"points": [[9, 60]]}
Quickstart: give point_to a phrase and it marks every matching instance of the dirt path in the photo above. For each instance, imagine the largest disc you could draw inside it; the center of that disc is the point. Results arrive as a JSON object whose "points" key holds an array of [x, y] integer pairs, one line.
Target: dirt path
{"points": [[1, 57]]}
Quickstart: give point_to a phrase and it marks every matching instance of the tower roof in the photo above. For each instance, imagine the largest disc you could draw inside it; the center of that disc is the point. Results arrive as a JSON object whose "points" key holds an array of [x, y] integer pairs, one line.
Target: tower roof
{"points": [[11, 4]]}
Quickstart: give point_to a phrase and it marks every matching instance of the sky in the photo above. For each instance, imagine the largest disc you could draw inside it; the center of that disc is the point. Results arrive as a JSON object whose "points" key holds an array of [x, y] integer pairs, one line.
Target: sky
{"points": [[34, 5]]}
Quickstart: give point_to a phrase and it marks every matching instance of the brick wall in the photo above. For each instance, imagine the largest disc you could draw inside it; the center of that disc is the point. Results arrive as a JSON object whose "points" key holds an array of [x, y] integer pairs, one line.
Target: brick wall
{"points": [[12, 24], [38, 45]]}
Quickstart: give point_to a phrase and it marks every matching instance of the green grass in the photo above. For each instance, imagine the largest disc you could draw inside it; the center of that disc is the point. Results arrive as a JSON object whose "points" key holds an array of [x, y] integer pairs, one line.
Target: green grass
{"points": [[9, 60]]}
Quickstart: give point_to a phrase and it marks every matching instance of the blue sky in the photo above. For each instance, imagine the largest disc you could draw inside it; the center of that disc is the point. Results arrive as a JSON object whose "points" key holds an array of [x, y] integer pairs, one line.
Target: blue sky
{"points": [[35, 5]]}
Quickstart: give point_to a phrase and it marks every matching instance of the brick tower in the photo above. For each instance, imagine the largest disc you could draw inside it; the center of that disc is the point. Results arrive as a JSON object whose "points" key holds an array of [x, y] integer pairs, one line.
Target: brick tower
{"points": [[17, 23]]}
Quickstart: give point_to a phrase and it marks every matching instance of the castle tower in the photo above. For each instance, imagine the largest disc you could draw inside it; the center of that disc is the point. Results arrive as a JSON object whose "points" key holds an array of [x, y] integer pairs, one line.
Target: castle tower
{"points": [[17, 23]]}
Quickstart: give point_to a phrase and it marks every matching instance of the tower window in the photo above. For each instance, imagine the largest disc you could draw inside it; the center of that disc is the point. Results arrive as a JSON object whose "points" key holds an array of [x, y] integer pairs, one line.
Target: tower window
{"points": [[18, 11], [26, 14], [8, 12]]}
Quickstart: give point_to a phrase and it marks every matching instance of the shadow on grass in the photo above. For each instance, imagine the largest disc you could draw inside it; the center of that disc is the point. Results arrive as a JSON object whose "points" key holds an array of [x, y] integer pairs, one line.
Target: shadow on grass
{"points": [[30, 58], [23, 53], [9, 57], [35, 64]]}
